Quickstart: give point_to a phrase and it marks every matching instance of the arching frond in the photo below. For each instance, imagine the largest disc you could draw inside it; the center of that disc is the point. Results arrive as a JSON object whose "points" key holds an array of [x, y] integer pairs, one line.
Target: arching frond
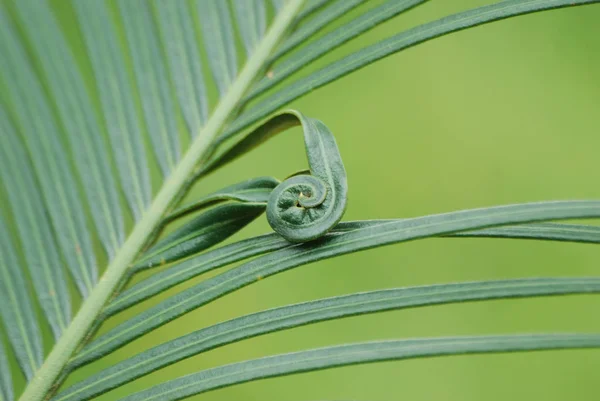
{"points": [[110, 112]]}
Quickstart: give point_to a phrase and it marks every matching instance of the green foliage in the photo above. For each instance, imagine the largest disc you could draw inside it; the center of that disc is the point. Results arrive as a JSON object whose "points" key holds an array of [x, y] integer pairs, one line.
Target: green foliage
{"points": [[306, 206], [204, 231], [79, 149], [352, 354], [324, 309]]}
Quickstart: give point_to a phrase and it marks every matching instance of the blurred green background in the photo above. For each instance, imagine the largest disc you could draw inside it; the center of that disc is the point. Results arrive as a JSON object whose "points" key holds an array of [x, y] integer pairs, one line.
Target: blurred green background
{"points": [[504, 113]]}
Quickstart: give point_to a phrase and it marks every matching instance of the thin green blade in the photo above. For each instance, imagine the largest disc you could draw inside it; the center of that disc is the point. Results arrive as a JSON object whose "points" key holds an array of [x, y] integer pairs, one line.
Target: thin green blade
{"points": [[32, 114], [320, 21], [394, 44], [254, 190], [320, 47], [201, 233], [217, 32], [179, 40], [548, 231], [360, 353], [291, 316], [16, 308], [152, 85], [118, 105], [332, 245], [241, 250], [251, 22], [37, 239], [77, 115], [193, 267], [311, 7], [6, 386]]}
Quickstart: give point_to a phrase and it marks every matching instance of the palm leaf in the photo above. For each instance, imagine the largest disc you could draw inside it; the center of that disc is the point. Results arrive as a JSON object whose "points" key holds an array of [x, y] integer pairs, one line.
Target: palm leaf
{"points": [[352, 354], [311, 312], [384, 48], [6, 386], [17, 310], [221, 257], [32, 113], [328, 42], [81, 124], [179, 43], [117, 103], [338, 244], [154, 92], [35, 232], [309, 29], [163, 85]]}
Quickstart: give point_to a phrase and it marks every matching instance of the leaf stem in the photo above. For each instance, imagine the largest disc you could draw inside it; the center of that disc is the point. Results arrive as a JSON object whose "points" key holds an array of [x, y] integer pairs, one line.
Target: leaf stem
{"points": [[42, 383]]}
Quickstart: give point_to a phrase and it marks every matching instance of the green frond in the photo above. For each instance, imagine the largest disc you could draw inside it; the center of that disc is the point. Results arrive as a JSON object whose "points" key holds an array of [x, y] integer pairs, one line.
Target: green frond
{"points": [[384, 48], [217, 31], [37, 240], [112, 111], [369, 236], [291, 316], [117, 99], [6, 386], [352, 354], [16, 309], [228, 254], [32, 113], [149, 70], [332, 40]]}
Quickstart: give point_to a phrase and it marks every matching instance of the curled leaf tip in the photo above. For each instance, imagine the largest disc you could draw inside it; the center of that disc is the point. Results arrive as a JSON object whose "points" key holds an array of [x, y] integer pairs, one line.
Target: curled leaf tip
{"points": [[306, 206], [309, 203]]}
